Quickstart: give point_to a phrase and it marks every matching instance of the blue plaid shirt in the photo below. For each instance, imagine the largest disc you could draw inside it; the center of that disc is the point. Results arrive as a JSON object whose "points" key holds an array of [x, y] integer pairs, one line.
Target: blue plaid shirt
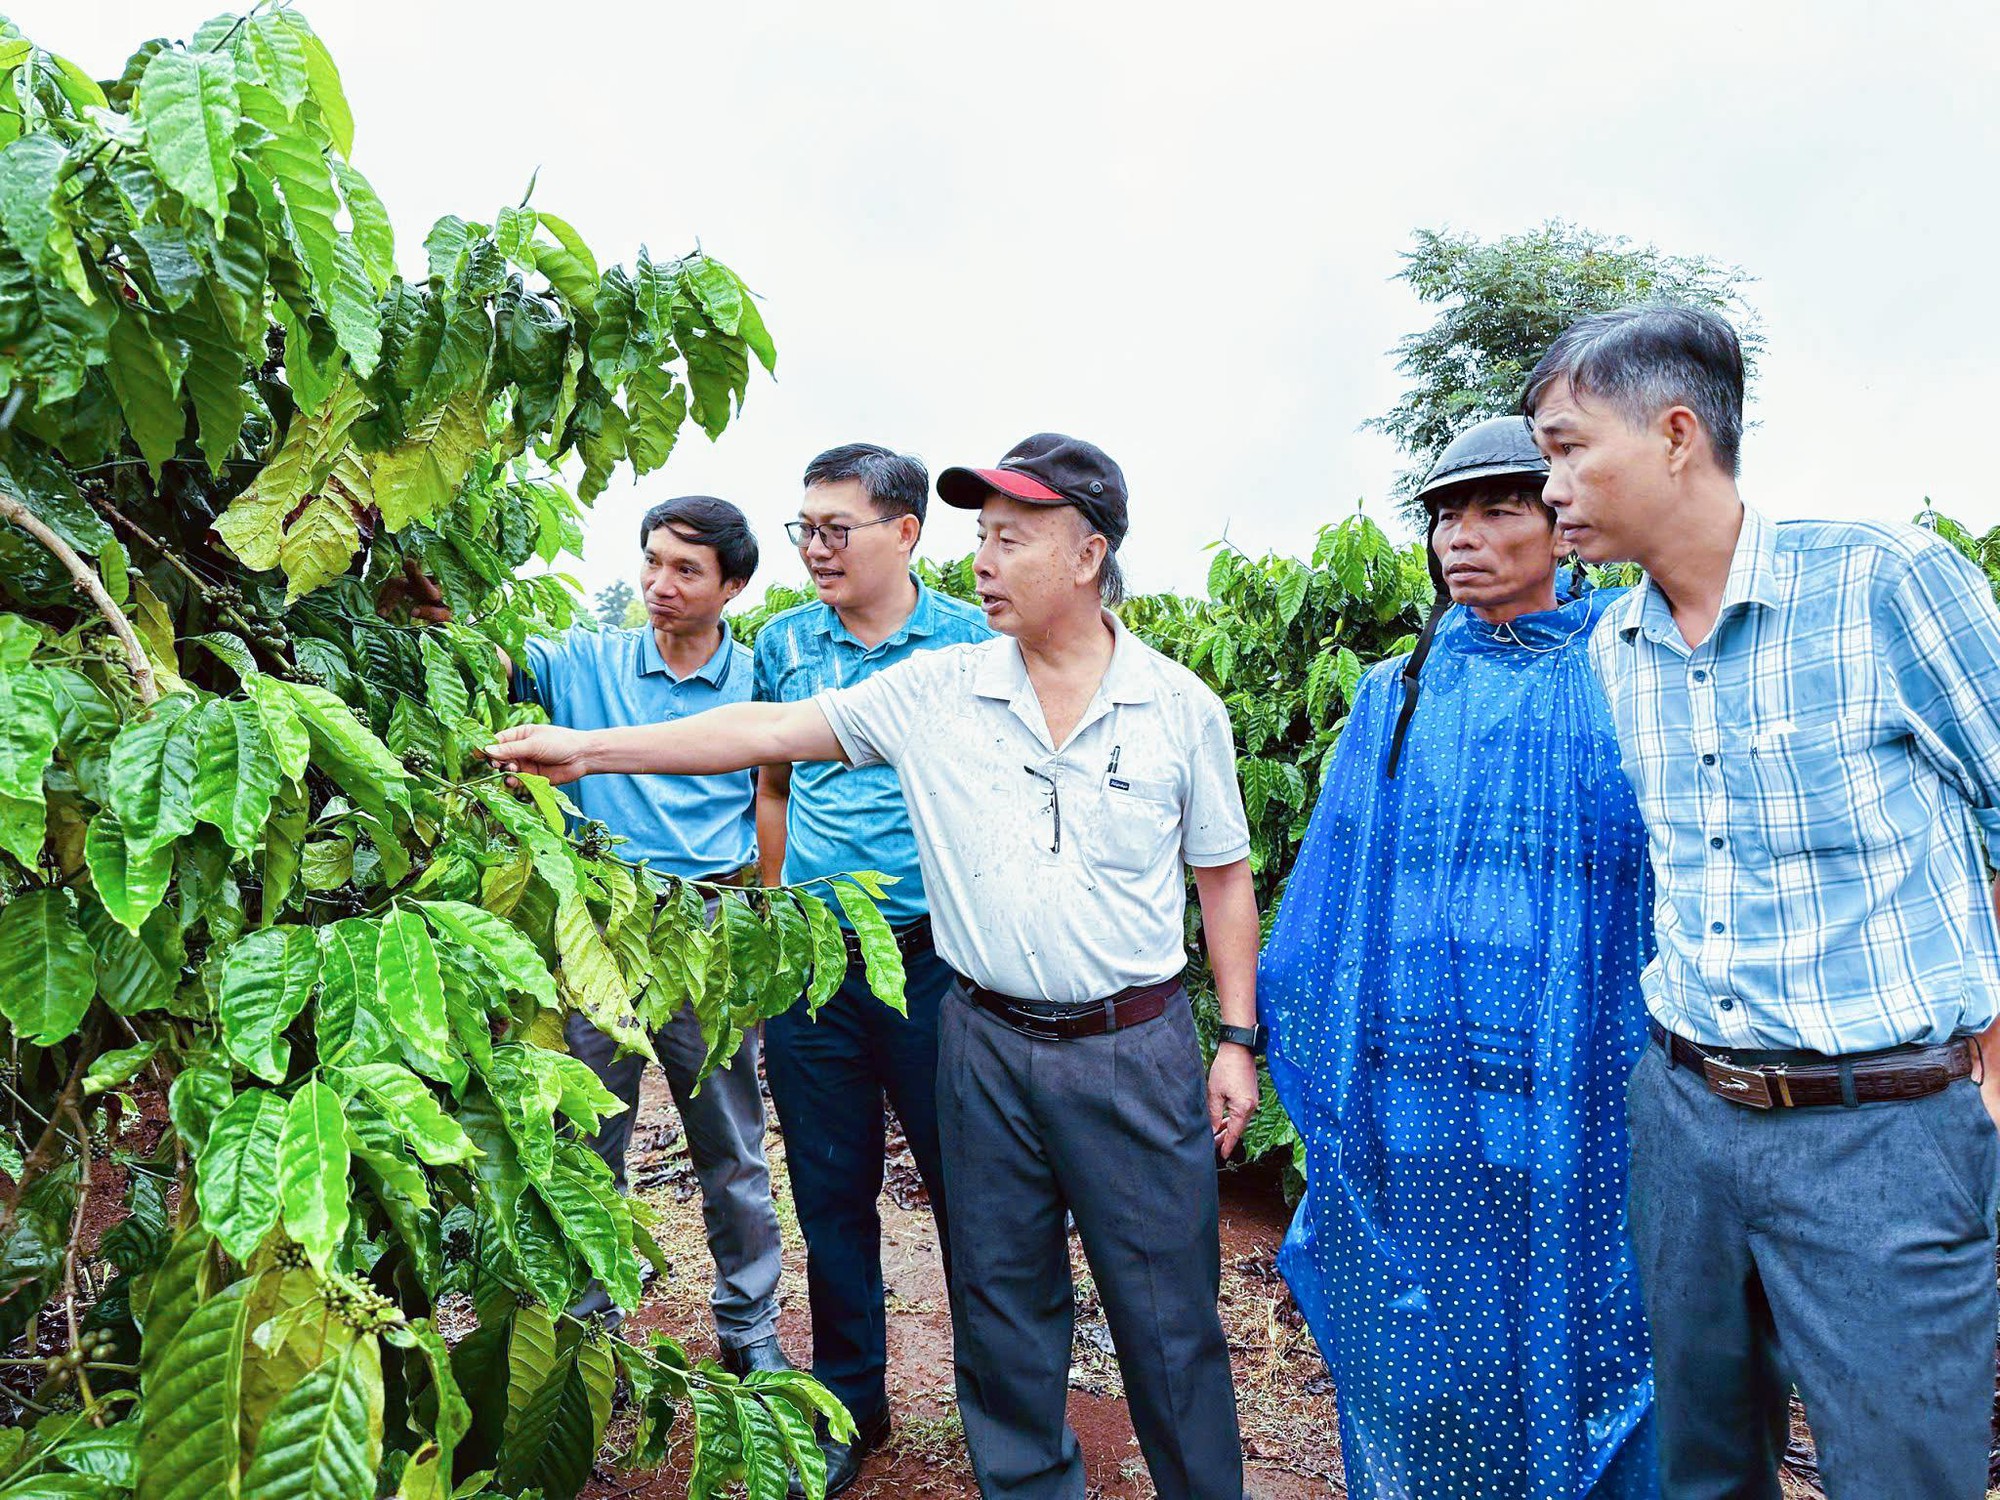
{"points": [[1820, 780]]}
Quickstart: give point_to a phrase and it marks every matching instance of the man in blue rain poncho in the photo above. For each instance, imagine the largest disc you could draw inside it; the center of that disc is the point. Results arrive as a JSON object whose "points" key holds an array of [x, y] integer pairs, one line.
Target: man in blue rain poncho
{"points": [[1452, 989]]}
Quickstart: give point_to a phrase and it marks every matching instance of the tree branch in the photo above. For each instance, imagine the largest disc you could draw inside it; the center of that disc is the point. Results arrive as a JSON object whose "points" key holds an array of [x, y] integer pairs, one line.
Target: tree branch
{"points": [[92, 586], [43, 1156]]}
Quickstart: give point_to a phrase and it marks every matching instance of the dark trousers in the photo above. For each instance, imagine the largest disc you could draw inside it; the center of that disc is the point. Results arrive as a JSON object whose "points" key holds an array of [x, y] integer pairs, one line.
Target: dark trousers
{"points": [[1847, 1251], [724, 1125], [1114, 1129], [828, 1078]]}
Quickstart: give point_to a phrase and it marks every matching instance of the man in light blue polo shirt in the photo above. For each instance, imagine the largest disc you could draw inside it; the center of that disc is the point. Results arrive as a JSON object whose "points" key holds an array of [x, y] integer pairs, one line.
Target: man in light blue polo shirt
{"points": [[858, 525], [699, 553]]}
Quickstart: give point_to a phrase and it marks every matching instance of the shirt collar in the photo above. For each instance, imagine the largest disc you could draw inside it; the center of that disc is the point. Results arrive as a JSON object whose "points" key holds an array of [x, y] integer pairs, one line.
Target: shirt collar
{"points": [[1753, 579], [1004, 673], [714, 671], [922, 621]]}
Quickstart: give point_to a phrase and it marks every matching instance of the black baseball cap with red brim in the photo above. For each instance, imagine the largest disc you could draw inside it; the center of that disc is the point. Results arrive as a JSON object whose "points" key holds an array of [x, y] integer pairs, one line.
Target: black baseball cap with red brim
{"points": [[1048, 469]]}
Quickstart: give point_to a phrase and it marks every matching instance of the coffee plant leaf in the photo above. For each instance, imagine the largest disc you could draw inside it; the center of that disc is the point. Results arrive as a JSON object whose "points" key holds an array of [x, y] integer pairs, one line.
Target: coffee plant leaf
{"points": [[312, 1171], [237, 1173], [47, 968], [882, 960], [323, 1440]]}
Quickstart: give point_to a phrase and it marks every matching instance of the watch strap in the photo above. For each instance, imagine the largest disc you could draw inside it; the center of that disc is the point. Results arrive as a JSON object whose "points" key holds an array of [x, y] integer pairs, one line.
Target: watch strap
{"points": [[1252, 1037]]}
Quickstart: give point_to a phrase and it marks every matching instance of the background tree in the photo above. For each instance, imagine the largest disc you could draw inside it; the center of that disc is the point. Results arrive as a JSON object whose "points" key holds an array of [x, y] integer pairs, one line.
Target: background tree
{"points": [[1501, 303], [615, 603]]}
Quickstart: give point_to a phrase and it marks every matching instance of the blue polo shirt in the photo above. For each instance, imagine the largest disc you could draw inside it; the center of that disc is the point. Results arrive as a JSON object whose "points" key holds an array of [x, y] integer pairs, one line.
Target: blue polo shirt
{"points": [[608, 679], [841, 819]]}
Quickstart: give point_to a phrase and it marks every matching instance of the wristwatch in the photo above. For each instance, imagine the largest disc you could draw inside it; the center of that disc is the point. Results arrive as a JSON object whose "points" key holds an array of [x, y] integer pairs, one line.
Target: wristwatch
{"points": [[1252, 1037]]}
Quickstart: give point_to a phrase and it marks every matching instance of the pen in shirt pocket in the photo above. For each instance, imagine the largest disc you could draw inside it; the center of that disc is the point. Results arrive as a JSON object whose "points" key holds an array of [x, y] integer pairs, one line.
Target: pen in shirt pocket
{"points": [[1111, 770]]}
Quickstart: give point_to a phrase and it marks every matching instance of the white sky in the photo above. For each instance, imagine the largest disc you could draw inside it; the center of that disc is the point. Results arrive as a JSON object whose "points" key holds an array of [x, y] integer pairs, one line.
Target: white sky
{"points": [[1173, 230]]}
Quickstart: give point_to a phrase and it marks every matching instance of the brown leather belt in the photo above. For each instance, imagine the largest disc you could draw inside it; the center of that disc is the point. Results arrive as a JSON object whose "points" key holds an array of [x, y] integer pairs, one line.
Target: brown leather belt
{"points": [[1066, 1023], [1799, 1080]]}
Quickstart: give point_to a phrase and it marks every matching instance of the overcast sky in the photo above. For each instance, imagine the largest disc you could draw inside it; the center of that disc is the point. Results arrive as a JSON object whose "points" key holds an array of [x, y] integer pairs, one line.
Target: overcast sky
{"points": [[1174, 230]]}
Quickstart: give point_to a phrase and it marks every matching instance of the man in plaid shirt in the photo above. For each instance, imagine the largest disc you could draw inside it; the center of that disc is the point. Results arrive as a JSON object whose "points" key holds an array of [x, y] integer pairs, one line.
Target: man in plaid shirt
{"points": [[1810, 715]]}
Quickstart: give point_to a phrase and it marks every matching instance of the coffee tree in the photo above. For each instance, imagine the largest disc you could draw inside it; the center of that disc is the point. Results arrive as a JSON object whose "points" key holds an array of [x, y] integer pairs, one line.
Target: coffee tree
{"points": [[283, 967]]}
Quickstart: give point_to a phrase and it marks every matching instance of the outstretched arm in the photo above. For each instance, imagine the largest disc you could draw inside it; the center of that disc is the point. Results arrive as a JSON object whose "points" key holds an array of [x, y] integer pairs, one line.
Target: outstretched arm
{"points": [[732, 738]]}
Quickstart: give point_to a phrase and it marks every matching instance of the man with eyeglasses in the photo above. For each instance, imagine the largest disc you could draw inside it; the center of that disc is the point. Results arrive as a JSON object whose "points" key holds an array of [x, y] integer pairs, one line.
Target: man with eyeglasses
{"points": [[1059, 784], [858, 525]]}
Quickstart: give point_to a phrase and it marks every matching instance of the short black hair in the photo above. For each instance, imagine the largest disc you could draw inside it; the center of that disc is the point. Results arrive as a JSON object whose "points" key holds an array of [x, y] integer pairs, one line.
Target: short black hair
{"points": [[705, 521], [897, 483], [1646, 359]]}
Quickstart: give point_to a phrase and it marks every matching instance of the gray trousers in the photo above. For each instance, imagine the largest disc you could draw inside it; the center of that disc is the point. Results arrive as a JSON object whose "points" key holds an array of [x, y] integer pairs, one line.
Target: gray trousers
{"points": [[1113, 1129], [724, 1125], [1847, 1251]]}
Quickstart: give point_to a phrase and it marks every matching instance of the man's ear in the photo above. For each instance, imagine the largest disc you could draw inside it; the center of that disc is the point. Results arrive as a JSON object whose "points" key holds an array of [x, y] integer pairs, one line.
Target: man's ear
{"points": [[1090, 557], [909, 530], [1682, 431], [731, 587]]}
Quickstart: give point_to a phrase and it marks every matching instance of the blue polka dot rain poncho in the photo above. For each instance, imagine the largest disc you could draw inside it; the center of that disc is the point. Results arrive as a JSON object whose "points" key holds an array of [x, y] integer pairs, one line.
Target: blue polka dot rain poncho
{"points": [[1452, 986]]}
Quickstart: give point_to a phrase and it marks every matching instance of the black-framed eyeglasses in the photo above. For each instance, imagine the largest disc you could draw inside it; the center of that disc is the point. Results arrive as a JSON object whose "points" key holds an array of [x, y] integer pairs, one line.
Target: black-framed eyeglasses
{"points": [[1054, 809], [803, 532]]}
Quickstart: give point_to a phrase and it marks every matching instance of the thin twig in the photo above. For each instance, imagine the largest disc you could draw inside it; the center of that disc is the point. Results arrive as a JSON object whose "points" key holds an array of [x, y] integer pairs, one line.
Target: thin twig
{"points": [[69, 1272], [253, 635], [92, 586], [40, 1159]]}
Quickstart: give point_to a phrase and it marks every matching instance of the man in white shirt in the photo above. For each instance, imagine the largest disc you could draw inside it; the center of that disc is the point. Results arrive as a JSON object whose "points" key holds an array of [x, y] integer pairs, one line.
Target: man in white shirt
{"points": [[1058, 780]]}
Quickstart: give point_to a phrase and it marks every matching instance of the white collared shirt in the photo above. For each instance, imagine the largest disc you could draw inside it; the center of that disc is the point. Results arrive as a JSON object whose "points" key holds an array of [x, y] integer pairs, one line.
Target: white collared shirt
{"points": [[1145, 783]]}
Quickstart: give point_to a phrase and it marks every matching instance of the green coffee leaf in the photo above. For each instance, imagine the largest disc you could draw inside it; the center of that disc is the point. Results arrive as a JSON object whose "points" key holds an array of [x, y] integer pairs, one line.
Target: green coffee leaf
{"points": [[411, 988], [353, 1026], [188, 1447], [323, 1440], [201, 1092], [407, 1103], [152, 774], [46, 966], [181, 1282], [236, 771], [237, 1174], [312, 1171], [829, 952], [267, 977], [130, 883], [111, 1070], [188, 106], [881, 958], [513, 957], [27, 732]]}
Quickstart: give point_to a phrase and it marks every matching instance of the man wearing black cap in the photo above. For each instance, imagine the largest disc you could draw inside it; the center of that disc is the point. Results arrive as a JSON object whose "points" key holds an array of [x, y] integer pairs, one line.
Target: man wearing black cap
{"points": [[1059, 780]]}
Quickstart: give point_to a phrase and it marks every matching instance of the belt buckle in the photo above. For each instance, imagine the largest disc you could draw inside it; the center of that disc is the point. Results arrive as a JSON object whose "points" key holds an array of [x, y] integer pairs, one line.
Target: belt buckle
{"points": [[1746, 1086]]}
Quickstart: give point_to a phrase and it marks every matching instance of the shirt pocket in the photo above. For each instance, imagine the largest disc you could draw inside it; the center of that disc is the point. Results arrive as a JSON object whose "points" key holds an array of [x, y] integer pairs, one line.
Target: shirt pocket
{"points": [[1803, 778], [1138, 823]]}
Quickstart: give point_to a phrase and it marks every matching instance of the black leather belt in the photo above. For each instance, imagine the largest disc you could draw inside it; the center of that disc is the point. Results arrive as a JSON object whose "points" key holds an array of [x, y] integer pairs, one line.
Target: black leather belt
{"points": [[911, 938], [1066, 1023], [1799, 1080]]}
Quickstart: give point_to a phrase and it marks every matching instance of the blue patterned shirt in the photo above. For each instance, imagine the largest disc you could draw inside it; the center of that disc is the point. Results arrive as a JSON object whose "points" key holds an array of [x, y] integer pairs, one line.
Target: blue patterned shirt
{"points": [[839, 818], [607, 679], [1820, 780]]}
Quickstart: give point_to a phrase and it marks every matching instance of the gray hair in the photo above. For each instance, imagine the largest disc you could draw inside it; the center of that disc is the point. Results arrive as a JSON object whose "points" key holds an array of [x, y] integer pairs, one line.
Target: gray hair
{"points": [[1644, 360], [1110, 577]]}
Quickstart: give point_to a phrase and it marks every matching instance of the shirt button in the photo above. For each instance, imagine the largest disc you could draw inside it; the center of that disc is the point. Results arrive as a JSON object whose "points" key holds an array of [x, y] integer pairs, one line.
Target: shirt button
{"points": [[1715, 843], [1716, 927], [1700, 676], [1726, 1003], [1708, 760]]}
